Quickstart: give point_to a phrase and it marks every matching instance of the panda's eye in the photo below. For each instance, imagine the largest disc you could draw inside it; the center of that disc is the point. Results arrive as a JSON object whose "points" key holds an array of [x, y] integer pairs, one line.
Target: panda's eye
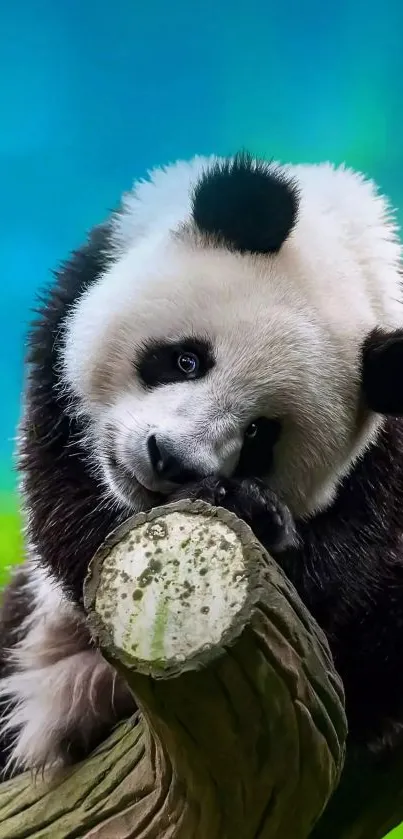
{"points": [[171, 363], [251, 431], [257, 453], [188, 363]]}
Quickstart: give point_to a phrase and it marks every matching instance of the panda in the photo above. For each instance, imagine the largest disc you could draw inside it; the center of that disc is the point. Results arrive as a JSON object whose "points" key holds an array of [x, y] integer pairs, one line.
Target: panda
{"points": [[232, 332]]}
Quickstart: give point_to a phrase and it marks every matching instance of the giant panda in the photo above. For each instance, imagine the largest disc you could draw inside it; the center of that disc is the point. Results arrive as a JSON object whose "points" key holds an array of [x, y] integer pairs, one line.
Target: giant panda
{"points": [[233, 332]]}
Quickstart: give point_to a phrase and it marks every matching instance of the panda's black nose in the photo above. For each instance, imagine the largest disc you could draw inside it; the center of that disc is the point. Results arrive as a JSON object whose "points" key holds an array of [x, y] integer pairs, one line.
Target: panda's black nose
{"points": [[167, 465]]}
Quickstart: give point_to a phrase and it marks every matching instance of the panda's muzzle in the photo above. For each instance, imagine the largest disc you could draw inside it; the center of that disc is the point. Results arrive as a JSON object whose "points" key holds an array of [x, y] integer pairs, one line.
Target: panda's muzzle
{"points": [[168, 465]]}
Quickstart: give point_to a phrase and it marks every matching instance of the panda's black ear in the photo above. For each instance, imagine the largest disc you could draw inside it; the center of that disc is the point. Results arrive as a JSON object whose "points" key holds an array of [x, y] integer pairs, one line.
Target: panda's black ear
{"points": [[382, 371], [249, 205]]}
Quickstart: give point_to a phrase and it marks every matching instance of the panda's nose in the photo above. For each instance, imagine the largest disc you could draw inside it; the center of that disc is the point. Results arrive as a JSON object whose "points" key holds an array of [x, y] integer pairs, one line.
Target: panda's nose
{"points": [[167, 464]]}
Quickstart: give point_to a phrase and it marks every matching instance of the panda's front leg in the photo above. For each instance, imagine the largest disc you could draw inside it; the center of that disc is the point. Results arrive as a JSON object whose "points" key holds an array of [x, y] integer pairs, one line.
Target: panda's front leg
{"points": [[270, 520], [58, 697]]}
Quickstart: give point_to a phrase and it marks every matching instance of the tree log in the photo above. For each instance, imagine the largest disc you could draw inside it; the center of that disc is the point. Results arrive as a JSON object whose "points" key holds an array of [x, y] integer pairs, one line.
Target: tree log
{"points": [[241, 727]]}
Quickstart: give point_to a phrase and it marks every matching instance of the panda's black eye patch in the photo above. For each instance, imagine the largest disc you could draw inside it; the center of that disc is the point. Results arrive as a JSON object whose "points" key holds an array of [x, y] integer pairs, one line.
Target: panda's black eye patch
{"points": [[163, 363], [256, 458]]}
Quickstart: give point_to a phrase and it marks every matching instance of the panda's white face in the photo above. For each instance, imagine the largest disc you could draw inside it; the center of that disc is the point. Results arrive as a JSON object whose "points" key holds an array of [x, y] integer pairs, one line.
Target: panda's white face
{"points": [[187, 358], [219, 364]]}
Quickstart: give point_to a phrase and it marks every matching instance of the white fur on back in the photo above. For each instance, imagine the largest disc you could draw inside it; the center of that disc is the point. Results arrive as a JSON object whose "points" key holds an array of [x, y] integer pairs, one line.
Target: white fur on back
{"points": [[59, 686]]}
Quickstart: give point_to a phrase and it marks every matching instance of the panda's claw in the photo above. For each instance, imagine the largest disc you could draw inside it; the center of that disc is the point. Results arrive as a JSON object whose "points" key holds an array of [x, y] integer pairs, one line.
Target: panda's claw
{"points": [[270, 520]]}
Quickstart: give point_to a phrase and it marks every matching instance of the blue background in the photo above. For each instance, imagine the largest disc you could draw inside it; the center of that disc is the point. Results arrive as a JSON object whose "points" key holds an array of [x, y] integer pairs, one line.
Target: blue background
{"points": [[94, 93]]}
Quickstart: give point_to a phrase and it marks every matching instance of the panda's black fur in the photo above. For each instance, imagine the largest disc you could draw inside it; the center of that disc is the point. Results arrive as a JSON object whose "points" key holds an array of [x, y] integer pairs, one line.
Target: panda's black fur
{"points": [[50, 455], [63, 498], [242, 203], [347, 565]]}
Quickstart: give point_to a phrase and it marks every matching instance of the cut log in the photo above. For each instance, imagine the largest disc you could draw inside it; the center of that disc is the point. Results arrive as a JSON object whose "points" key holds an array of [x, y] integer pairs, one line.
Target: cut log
{"points": [[241, 727]]}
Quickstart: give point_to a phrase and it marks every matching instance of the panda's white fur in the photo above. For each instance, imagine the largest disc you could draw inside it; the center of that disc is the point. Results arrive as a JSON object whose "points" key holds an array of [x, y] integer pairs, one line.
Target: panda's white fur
{"points": [[333, 281], [59, 682]]}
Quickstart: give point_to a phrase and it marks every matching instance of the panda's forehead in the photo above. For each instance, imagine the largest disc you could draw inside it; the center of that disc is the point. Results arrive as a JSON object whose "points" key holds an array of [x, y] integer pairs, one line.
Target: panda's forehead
{"points": [[181, 290], [255, 322]]}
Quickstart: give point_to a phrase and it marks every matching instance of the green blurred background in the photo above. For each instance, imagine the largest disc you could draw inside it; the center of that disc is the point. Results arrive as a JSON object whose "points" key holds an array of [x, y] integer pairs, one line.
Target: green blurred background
{"points": [[92, 94]]}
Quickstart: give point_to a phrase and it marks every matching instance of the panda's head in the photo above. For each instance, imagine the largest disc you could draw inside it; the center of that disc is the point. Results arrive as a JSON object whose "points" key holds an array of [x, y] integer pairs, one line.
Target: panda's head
{"points": [[247, 324]]}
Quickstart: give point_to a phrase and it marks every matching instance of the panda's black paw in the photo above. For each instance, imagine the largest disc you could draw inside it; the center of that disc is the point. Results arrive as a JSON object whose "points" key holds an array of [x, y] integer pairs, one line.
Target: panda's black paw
{"points": [[270, 520]]}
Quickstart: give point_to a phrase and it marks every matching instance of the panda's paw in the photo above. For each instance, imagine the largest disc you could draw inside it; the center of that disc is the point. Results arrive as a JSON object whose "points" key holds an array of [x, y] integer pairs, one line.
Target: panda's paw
{"points": [[270, 520]]}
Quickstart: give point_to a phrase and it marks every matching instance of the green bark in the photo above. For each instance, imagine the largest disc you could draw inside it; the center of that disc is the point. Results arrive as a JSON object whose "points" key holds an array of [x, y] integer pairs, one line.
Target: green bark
{"points": [[241, 729]]}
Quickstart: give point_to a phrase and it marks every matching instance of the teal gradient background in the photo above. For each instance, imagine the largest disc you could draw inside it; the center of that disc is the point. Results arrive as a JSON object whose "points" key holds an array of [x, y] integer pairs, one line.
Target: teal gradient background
{"points": [[94, 93]]}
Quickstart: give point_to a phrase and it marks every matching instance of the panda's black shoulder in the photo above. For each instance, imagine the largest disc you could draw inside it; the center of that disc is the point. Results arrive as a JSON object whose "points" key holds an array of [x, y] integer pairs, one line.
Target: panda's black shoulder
{"points": [[374, 486], [64, 500], [74, 276]]}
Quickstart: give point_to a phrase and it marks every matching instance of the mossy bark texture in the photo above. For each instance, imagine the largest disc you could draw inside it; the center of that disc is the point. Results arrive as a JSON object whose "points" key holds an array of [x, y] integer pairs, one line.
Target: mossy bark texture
{"points": [[241, 727]]}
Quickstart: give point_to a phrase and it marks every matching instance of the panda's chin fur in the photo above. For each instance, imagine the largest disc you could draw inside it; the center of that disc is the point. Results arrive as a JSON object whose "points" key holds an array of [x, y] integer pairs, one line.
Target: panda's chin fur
{"points": [[128, 491]]}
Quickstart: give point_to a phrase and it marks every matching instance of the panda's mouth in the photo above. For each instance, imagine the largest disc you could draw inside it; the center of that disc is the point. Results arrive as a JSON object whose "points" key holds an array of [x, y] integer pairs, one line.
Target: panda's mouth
{"points": [[131, 486]]}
